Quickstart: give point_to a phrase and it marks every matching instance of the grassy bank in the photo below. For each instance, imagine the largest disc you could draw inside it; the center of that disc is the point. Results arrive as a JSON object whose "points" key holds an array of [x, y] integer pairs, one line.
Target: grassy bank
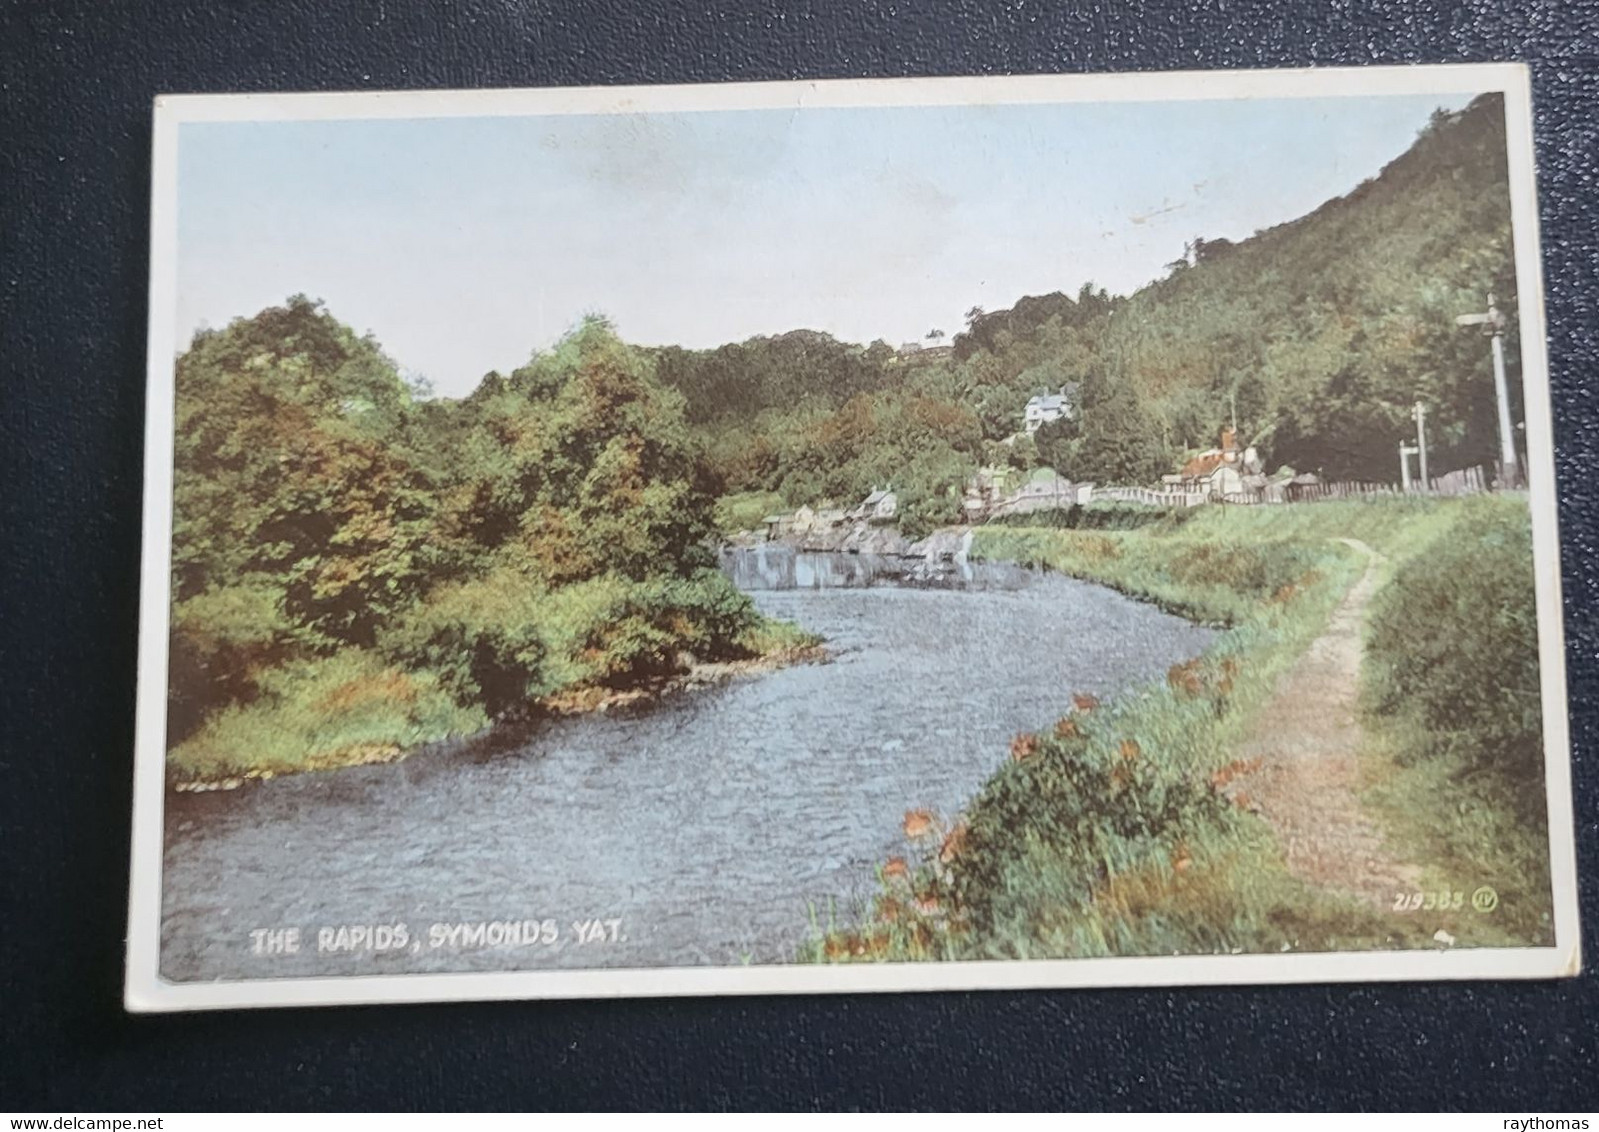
{"points": [[359, 706], [1108, 832]]}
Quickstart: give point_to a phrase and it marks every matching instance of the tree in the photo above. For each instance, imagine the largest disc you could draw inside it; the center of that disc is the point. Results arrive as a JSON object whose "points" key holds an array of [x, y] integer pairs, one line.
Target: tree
{"points": [[1022, 453], [1056, 442], [1120, 441], [289, 463]]}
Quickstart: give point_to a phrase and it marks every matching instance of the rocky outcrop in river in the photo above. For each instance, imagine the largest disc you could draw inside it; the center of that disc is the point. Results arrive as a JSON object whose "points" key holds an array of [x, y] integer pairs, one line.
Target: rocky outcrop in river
{"points": [[861, 557]]}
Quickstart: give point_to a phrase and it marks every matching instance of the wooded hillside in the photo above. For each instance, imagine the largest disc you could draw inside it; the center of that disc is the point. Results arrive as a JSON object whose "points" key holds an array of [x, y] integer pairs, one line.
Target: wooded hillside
{"points": [[1322, 332], [1325, 330]]}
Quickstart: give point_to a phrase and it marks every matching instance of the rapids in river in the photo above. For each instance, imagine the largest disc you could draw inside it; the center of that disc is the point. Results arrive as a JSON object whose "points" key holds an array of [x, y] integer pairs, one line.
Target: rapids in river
{"points": [[715, 826]]}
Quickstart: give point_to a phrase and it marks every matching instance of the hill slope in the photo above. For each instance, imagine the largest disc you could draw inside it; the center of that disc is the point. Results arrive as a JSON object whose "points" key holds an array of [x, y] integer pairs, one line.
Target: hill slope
{"points": [[1325, 329], [1319, 333]]}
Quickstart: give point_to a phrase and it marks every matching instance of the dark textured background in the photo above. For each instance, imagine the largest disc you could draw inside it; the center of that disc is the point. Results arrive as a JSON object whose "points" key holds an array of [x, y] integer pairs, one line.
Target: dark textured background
{"points": [[76, 82]]}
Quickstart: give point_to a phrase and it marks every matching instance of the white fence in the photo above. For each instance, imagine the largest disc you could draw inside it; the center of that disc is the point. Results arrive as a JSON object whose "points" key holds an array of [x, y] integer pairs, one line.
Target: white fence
{"points": [[1465, 481], [1150, 496]]}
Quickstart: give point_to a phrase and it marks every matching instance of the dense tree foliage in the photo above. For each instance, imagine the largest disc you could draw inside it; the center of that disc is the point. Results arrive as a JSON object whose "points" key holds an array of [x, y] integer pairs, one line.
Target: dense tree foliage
{"points": [[553, 530], [813, 420]]}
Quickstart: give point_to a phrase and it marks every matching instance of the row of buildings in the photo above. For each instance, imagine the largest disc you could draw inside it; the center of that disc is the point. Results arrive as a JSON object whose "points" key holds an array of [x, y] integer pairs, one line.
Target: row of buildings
{"points": [[881, 506], [1227, 473]]}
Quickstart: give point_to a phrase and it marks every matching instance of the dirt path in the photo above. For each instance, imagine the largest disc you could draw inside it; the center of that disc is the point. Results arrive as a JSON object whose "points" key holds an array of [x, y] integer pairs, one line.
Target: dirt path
{"points": [[1307, 785]]}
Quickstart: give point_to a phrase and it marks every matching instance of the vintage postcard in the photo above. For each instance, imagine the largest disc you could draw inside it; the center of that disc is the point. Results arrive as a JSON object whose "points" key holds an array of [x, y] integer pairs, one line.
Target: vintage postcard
{"points": [[848, 536]]}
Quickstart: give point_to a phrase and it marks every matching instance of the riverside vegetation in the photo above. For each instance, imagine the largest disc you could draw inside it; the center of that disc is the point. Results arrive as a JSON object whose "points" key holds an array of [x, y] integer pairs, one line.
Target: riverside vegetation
{"points": [[356, 571], [1112, 831]]}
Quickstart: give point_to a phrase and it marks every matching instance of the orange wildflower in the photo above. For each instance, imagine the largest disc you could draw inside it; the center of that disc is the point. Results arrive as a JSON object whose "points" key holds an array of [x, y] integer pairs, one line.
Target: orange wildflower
{"points": [[918, 823], [1181, 859], [954, 844], [1185, 678]]}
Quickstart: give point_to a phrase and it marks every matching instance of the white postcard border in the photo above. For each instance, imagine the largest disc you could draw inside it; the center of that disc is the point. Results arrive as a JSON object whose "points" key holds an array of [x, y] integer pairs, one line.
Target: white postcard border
{"points": [[145, 990]]}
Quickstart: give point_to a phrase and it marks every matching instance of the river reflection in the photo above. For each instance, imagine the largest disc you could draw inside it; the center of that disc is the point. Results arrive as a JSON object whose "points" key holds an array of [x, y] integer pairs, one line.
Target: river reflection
{"points": [[712, 825]]}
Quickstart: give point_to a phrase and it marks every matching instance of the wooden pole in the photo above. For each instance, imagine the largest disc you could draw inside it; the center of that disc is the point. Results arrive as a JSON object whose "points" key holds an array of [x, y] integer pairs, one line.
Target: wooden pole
{"points": [[1421, 445]]}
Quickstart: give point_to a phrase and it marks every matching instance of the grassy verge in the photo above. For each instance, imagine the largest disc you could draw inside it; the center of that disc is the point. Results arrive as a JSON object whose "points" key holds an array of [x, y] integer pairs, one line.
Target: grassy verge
{"points": [[745, 510], [1452, 700], [1108, 833], [358, 707]]}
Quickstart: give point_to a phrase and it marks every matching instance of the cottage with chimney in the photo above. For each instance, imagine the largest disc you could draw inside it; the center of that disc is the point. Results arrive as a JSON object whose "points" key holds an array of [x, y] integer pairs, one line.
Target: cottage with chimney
{"points": [[1220, 472]]}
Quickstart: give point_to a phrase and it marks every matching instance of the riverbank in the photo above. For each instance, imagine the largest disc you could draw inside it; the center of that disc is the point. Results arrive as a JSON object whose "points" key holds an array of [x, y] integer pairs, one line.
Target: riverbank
{"points": [[1123, 829], [354, 710], [709, 821]]}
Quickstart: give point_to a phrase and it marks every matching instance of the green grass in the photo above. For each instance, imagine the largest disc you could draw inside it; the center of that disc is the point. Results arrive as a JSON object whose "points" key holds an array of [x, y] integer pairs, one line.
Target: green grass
{"points": [[1106, 835], [773, 637], [1464, 837], [340, 710], [743, 511], [361, 706], [1453, 705]]}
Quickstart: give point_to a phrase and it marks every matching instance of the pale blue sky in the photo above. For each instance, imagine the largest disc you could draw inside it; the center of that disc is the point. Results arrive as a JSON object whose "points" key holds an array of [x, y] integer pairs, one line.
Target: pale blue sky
{"points": [[465, 244]]}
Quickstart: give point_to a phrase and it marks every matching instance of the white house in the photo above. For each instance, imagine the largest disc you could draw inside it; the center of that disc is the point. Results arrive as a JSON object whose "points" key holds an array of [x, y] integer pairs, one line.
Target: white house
{"points": [[879, 507], [1046, 407]]}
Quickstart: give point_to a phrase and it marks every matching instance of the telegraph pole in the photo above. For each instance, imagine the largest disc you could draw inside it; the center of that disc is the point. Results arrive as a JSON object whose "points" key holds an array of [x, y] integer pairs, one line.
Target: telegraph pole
{"points": [[1419, 415], [1494, 320]]}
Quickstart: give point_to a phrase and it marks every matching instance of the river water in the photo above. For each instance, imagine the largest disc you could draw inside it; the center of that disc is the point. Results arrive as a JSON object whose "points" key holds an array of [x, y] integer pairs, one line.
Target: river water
{"points": [[708, 828]]}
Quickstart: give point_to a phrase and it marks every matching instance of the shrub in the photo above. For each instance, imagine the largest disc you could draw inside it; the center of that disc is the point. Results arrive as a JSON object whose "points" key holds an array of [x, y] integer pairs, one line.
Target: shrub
{"points": [[221, 643], [1098, 517], [503, 641], [1454, 651]]}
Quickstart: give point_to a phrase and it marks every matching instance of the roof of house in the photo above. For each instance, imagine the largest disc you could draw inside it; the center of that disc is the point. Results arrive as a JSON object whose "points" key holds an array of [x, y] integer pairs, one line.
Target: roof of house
{"points": [[1203, 464], [1057, 402]]}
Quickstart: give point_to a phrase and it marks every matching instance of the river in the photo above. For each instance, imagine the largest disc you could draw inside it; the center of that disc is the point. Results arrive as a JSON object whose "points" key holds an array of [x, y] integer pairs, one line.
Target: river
{"points": [[707, 828]]}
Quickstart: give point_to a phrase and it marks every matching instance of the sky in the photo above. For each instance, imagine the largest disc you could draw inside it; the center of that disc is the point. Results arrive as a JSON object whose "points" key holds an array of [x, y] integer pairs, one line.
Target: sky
{"points": [[466, 244]]}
